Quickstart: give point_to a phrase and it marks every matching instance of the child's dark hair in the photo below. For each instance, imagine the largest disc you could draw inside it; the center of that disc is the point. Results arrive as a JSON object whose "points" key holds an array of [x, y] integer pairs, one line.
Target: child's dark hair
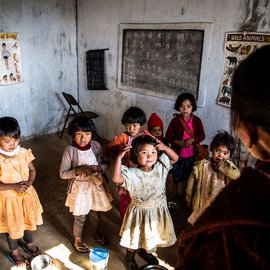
{"points": [[9, 126], [223, 138], [83, 123], [134, 115], [251, 92], [137, 143], [185, 96]]}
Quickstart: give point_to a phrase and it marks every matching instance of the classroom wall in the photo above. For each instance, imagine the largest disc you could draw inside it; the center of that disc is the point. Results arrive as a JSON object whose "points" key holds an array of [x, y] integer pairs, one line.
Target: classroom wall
{"points": [[47, 38], [98, 28]]}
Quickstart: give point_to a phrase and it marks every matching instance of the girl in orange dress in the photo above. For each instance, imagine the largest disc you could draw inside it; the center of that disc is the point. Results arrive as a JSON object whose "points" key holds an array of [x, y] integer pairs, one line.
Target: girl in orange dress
{"points": [[20, 208]]}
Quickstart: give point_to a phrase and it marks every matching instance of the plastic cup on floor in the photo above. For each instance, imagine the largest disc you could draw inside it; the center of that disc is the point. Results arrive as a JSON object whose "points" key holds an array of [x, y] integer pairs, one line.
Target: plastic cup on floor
{"points": [[99, 258]]}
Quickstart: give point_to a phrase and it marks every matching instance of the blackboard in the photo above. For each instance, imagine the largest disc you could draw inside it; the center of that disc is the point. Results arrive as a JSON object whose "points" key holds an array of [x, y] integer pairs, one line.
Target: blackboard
{"points": [[162, 61], [95, 69]]}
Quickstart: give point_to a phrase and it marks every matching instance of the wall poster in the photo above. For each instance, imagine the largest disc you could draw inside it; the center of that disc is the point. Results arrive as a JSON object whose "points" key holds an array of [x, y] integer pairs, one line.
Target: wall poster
{"points": [[238, 46], [10, 63]]}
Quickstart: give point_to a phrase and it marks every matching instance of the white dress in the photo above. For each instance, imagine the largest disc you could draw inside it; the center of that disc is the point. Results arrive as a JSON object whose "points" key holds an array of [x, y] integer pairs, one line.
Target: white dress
{"points": [[87, 194], [147, 223]]}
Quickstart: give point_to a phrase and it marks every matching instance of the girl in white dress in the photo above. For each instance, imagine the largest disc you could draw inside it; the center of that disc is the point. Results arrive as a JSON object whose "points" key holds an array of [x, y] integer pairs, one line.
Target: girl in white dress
{"points": [[83, 164], [147, 223]]}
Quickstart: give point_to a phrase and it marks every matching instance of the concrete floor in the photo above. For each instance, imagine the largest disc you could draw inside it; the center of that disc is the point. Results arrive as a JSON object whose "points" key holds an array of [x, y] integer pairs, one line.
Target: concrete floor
{"points": [[55, 238]]}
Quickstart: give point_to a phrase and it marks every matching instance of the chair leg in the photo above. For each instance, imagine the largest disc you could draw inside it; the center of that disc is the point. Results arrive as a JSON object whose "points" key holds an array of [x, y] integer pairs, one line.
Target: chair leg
{"points": [[64, 125]]}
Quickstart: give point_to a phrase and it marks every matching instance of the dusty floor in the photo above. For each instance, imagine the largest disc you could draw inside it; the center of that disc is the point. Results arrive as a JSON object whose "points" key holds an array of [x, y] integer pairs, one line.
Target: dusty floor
{"points": [[54, 237]]}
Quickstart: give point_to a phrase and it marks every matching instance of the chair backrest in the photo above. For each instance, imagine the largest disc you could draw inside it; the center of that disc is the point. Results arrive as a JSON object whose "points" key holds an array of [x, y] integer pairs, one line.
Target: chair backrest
{"points": [[72, 102]]}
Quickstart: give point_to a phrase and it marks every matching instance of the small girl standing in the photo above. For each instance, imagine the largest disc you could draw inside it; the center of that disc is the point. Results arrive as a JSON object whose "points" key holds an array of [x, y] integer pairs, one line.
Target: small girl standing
{"points": [[133, 119], [182, 142], [147, 223], [20, 208], [83, 164], [210, 176], [155, 127]]}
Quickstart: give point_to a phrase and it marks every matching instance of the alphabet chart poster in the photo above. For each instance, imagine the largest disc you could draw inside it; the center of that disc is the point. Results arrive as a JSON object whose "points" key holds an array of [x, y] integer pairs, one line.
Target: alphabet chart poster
{"points": [[10, 62], [238, 45]]}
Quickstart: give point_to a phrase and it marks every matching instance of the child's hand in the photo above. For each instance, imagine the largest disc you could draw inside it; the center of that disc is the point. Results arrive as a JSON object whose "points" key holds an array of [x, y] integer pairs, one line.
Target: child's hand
{"points": [[188, 142], [124, 151], [94, 169], [180, 143], [20, 187], [160, 146], [81, 169], [27, 183]]}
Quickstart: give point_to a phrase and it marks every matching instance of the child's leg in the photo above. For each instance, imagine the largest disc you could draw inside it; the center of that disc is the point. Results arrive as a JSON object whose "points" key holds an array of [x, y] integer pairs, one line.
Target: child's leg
{"points": [[77, 231], [95, 222], [29, 246], [78, 228], [187, 165], [14, 254], [130, 259], [148, 257]]}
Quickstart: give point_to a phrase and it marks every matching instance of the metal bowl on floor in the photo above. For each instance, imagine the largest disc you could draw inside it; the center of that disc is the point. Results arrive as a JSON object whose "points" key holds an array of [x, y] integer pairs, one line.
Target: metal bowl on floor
{"points": [[153, 267], [41, 262]]}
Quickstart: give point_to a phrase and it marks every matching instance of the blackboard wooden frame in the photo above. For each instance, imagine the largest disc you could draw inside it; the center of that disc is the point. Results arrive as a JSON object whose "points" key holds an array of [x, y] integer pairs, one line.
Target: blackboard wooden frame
{"points": [[204, 27]]}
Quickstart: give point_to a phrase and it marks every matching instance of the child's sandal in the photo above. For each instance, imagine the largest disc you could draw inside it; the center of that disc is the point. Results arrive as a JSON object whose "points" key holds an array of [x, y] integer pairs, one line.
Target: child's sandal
{"points": [[32, 253], [23, 262], [81, 248]]}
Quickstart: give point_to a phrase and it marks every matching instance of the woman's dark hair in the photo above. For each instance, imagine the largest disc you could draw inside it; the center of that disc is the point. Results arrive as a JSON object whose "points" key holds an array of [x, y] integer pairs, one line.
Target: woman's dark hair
{"points": [[137, 143], [9, 126], [83, 123], [185, 96], [251, 91], [223, 138], [134, 115]]}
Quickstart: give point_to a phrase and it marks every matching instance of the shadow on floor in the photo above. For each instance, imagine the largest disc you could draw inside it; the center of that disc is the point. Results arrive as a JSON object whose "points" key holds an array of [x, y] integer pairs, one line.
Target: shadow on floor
{"points": [[54, 237]]}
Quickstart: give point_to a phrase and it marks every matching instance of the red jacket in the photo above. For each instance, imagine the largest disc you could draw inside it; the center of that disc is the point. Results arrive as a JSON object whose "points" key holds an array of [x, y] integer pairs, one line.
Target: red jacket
{"points": [[175, 131]]}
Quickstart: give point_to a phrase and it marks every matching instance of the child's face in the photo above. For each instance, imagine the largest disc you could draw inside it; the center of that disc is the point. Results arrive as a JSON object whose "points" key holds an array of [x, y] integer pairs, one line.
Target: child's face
{"points": [[8, 143], [133, 129], [220, 154], [147, 156], [186, 108], [156, 131], [82, 138]]}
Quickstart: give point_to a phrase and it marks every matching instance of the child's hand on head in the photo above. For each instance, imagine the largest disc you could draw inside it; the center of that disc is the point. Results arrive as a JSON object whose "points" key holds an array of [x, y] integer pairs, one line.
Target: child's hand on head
{"points": [[160, 146], [124, 150]]}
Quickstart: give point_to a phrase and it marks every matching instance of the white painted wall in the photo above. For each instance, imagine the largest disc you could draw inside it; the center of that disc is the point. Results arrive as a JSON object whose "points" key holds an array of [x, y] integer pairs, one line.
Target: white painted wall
{"points": [[47, 36], [47, 33], [98, 28]]}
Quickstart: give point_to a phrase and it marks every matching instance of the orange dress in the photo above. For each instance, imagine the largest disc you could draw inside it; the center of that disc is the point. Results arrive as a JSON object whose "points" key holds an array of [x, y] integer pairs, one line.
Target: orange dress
{"points": [[18, 212]]}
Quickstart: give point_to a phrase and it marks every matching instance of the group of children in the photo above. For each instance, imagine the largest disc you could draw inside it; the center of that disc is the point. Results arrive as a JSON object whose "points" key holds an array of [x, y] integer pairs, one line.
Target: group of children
{"points": [[141, 159]]}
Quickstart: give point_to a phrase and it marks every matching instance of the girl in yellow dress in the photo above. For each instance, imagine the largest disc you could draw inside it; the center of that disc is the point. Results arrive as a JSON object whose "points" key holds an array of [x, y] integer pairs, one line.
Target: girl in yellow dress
{"points": [[20, 208]]}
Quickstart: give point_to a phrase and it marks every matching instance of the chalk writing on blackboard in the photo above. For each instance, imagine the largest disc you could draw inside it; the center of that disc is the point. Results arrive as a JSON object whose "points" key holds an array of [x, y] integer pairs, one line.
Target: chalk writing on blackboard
{"points": [[95, 69], [162, 60]]}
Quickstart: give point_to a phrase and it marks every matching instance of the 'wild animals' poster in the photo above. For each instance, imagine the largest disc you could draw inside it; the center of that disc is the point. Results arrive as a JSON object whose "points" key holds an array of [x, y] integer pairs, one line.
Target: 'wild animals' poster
{"points": [[10, 63], [237, 47]]}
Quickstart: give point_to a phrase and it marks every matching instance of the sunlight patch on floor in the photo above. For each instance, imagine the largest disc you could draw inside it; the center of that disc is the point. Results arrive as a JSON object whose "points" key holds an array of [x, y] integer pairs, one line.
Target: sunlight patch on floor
{"points": [[62, 253]]}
